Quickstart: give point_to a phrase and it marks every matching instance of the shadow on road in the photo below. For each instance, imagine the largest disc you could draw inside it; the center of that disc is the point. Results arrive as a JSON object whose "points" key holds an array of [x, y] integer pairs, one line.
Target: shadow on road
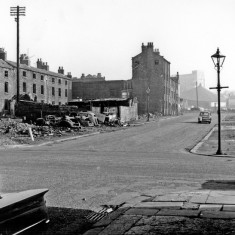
{"points": [[219, 185], [65, 221]]}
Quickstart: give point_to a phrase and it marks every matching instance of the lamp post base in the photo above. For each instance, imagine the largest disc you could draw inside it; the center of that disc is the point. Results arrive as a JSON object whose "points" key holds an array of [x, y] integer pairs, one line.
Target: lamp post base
{"points": [[219, 152]]}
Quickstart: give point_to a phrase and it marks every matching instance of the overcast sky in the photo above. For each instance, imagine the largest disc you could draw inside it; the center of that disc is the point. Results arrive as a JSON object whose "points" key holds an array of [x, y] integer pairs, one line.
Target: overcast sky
{"points": [[101, 36]]}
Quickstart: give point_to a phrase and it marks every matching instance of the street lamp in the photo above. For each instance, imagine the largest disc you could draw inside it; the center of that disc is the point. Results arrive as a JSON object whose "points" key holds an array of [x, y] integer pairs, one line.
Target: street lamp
{"points": [[218, 61]]}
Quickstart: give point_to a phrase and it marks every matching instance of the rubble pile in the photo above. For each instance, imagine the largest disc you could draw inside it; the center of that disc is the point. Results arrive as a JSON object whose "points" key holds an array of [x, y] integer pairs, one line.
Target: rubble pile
{"points": [[15, 131]]}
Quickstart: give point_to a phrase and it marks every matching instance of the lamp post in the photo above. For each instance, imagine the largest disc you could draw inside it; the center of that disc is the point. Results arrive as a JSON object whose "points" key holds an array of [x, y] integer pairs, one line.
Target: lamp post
{"points": [[218, 61], [148, 91]]}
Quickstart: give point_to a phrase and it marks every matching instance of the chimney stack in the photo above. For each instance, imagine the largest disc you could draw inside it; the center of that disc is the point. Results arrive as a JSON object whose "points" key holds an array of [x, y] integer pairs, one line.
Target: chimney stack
{"points": [[42, 65], [24, 59], [61, 70], [3, 54]]}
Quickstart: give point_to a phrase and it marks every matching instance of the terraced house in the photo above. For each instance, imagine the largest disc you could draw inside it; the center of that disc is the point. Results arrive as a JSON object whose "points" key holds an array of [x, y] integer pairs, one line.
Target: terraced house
{"points": [[40, 84]]}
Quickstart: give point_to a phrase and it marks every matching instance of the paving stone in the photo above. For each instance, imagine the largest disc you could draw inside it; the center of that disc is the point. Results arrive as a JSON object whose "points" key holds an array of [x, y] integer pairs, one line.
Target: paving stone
{"points": [[210, 207], [190, 206], [120, 225], [217, 214], [199, 198], [110, 217], [173, 205], [220, 193], [185, 213], [222, 199], [94, 231], [141, 211], [228, 208], [139, 230], [134, 201], [172, 197]]}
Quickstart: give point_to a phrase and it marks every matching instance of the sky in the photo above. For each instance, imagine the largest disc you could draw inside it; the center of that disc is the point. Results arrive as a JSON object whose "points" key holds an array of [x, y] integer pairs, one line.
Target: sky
{"points": [[101, 36]]}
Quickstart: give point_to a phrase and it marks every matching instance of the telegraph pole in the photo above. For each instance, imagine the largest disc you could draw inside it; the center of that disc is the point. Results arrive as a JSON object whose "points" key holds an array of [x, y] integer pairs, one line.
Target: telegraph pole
{"points": [[17, 11]]}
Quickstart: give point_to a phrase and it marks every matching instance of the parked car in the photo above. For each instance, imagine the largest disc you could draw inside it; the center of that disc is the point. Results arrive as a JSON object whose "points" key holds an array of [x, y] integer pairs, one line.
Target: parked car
{"points": [[204, 116], [23, 211]]}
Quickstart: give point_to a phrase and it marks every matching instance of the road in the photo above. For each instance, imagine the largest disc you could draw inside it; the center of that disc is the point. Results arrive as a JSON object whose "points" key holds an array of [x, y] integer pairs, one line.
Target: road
{"points": [[91, 171]]}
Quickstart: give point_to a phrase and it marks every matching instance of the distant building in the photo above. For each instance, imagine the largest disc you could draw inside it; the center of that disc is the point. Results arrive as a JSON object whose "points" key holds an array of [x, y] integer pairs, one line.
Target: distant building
{"points": [[96, 87], [39, 83], [190, 81], [150, 78]]}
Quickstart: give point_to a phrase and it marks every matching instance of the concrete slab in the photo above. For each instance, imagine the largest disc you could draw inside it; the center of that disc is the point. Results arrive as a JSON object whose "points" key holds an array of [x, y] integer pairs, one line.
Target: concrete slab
{"points": [[190, 206], [172, 205], [199, 198], [222, 199], [217, 215], [185, 213], [228, 208], [121, 225], [210, 207], [172, 197], [142, 211]]}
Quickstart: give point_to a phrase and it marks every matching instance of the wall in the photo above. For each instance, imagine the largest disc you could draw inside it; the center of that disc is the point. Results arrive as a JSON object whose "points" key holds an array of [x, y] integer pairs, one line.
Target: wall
{"points": [[97, 89]]}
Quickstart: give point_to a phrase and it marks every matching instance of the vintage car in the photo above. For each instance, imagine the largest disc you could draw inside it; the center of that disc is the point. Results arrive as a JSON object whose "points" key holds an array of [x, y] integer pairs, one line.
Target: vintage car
{"points": [[23, 211], [204, 116]]}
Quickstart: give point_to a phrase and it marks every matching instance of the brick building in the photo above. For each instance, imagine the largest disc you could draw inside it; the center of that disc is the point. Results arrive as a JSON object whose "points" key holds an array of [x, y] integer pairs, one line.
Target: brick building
{"points": [[151, 77], [96, 87], [38, 83]]}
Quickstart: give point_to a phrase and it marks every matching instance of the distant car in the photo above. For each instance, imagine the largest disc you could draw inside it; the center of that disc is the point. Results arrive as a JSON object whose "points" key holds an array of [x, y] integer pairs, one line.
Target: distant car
{"points": [[204, 116]]}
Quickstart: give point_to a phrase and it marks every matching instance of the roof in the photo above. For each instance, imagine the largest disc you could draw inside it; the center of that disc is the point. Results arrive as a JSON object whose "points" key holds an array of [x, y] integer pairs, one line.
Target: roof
{"points": [[4, 64], [42, 71], [203, 94]]}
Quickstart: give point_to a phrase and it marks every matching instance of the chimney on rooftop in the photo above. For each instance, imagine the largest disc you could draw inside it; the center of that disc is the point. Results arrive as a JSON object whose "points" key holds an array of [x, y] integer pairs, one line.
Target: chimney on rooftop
{"points": [[24, 59], [69, 75], [61, 70], [3, 54], [42, 65]]}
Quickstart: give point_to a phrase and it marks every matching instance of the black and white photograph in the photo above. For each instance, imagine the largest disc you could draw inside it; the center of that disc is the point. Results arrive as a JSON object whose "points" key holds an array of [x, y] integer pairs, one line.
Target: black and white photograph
{"points": [[117, 117]]}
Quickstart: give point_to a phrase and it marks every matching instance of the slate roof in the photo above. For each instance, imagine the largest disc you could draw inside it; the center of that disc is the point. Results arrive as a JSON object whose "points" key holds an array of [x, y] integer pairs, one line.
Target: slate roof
{"points": [[30, 68], [4, 64]]}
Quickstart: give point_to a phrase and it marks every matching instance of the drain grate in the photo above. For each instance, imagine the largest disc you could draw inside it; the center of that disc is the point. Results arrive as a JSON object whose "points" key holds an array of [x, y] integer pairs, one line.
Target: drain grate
{"points": [[96, 216]]}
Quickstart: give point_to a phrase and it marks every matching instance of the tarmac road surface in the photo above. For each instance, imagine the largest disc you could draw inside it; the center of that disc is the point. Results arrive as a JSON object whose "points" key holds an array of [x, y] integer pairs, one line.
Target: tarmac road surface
{"points": [[91, 171]]}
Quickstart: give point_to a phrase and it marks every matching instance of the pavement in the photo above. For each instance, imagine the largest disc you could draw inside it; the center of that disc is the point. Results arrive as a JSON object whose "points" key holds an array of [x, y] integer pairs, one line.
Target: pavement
{"points": [[184, 212]]}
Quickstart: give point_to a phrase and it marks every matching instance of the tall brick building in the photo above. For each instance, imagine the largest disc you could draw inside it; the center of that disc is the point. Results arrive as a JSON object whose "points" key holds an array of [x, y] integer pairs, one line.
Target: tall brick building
{"points": [[151, 76], [39, 83]]}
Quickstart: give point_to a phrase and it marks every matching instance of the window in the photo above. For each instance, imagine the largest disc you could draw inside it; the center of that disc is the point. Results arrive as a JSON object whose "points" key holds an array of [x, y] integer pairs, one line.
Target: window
{"points": [[24, 86], [59, 91], [156, 62], [53, 102], [34, 88], [24, 74], [59, 81], [66, 93], [53, 91], [42, 77], [42, 89], [59, 103], [6, 73], [6, 87], [34, 75], [53, 80], [66, 82]]}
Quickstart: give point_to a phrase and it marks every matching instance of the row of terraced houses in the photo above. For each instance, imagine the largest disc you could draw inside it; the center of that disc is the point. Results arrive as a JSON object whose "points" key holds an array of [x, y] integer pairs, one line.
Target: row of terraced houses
{"points": [[151, 82]]}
